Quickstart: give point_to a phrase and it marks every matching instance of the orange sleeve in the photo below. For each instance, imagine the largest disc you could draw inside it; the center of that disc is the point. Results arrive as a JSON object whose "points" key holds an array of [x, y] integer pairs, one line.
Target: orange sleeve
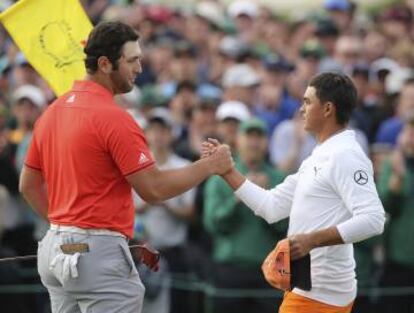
{"points": [[33, 156], [126, 143]]}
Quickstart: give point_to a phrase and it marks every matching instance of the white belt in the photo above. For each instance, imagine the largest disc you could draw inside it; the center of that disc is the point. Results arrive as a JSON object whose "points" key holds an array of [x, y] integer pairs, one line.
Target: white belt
{"points": [[86, 231]]}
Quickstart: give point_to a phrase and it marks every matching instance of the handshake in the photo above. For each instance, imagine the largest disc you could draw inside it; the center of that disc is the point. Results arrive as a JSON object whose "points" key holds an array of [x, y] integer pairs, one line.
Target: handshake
{"points": [[220, 161]]}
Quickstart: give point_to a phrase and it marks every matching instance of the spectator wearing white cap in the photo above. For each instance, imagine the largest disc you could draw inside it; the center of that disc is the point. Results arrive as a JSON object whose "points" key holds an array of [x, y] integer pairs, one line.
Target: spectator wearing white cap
{"points": [[229, 115], [165, 224], [28, 102], [380, 70], [243, 12], [233, 48], [211, 11], [390, 128], [240, 82]]}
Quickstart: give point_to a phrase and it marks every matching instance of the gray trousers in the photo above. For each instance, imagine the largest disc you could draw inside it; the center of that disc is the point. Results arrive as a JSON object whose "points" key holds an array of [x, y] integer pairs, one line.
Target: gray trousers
{"points": [[107, 279]]}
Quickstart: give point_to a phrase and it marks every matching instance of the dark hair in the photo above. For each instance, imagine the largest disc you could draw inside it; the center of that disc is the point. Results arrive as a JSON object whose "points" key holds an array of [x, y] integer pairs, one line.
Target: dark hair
{"points": [[107, 39], [338, 89]]}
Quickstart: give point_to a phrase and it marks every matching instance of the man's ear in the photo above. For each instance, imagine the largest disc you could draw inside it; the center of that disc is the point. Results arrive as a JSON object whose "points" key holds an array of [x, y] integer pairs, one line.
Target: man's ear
{"points": [[329, 109], [104, 64]]}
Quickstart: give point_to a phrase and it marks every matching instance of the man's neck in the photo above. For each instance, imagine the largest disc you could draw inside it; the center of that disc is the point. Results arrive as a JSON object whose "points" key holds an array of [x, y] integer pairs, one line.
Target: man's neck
{"points": [[329, 132], [99, 79]]}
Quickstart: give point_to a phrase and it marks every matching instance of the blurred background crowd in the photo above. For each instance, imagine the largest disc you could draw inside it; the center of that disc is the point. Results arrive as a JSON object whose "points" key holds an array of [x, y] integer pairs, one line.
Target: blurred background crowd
{"points": [[236, 72]]}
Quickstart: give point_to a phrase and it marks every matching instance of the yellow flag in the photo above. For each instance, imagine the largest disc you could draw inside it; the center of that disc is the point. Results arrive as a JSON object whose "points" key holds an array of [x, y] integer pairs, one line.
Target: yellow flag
{"points": [[51, 35]]}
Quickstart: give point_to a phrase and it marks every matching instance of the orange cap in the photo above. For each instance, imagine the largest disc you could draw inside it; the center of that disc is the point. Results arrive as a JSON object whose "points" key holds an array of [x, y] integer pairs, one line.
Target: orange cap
{"points": [[276, 266]]}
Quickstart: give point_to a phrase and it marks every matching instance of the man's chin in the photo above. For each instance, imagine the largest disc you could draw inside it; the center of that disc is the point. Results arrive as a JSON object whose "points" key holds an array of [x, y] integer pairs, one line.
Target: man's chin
{"points": [[309, 129], [125, 89]]}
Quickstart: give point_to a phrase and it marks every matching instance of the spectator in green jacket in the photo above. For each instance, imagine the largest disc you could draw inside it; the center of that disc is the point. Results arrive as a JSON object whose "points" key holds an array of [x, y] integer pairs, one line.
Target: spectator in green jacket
{"points": [[241, 241], [367, 273], [396, 187]]}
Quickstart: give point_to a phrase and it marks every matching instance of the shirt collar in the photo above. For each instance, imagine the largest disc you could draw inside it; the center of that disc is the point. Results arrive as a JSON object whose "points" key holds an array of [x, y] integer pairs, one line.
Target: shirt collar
{"points": [[336, 139], [91, 86]]}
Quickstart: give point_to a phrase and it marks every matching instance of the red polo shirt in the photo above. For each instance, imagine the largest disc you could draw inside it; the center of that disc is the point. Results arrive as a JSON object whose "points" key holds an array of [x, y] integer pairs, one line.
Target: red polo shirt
{"points": [[85, 145]]}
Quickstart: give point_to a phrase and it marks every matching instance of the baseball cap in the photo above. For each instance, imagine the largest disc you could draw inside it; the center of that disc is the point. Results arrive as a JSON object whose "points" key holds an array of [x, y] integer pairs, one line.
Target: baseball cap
{"points": [[241, 75], [330, 65], [381, 66], [209, 93], [158, 13], [361, 69], [232, 110], [312, 49], [184, 47], [336, 5], [32, 93], [162, 116], [232, 47], [152, 96], [326, 27], [242, 7], [395, 80], [210, 11], [399, 14], [275, 62], [253, 124], [285, 274]]}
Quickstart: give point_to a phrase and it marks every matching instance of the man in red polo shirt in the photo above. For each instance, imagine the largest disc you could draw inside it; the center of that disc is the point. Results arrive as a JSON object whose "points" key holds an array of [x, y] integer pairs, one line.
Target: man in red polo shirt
{"points": [[85, 155]]}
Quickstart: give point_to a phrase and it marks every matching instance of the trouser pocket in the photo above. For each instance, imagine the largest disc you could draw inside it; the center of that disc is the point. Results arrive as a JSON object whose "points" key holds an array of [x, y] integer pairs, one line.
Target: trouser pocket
{"points": [[128, 258]]}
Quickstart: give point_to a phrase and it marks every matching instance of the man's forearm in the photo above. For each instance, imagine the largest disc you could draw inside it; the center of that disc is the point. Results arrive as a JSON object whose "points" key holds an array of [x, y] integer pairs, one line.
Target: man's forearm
{"points": [[32, 187], [171, 183], [326, 237], [234, 179], [302, 244], [154, 185]]}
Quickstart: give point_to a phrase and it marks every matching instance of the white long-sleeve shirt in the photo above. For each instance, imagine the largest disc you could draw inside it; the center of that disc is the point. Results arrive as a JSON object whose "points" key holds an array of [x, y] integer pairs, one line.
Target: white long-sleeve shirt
{"points": [[334, 186]]}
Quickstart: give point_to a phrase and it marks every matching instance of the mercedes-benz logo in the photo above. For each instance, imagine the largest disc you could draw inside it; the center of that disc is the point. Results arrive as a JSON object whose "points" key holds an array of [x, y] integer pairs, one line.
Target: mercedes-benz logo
{"points": [[361, 177]]}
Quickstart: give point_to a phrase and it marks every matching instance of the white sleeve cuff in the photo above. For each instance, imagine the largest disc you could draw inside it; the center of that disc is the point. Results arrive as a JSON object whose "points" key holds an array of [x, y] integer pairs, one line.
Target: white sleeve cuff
{"points": [[260, 201], [250, 193]]}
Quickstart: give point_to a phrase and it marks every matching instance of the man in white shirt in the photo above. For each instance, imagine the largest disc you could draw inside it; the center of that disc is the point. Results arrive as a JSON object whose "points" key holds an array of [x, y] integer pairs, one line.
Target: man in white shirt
{"points": [[331, 201]]}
